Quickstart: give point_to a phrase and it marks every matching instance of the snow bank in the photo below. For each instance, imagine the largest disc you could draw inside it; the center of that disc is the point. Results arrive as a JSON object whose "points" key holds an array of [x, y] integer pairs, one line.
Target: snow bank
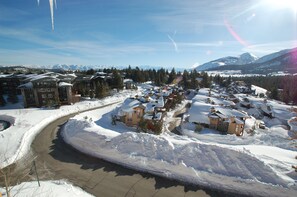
{"points": [[29, 122], [176, 157], [59, 188]]}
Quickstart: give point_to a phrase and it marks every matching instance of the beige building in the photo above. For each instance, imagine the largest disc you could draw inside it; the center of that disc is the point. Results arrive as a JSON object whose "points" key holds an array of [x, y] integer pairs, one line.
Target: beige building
{"points": [[228, 122], [131, 112]]}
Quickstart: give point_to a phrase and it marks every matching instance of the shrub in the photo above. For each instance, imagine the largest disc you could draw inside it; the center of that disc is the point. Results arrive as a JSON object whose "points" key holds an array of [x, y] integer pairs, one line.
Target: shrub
{"points": [[198, 128]]}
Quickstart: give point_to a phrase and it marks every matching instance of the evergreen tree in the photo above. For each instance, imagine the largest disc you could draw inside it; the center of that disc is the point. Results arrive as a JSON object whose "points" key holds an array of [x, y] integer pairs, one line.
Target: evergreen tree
{"points": [[101, 90], [90, 72], [205, 80], [185, 80], [172, 76], [2, 100], [194, 83], [158, 79], [117, 81], [274, 94]]}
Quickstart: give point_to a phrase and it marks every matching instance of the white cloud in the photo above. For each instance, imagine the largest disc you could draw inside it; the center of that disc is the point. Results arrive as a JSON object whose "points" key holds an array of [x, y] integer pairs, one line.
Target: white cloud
{"points": [[174, 43], [192, 16]]}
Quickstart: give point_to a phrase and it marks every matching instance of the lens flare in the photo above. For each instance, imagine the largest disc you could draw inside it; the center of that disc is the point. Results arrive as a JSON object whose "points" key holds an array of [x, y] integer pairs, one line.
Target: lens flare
{"points": [[234, 33]]}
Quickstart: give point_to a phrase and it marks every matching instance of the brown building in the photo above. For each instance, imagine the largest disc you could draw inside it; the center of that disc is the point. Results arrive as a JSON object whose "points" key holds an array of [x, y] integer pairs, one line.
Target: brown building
{"points": [[11, 82], [227, 123], [47, 90]]}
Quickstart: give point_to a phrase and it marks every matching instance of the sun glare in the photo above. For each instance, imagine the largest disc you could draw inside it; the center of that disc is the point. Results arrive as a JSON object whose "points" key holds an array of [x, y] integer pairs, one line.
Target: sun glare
{"points": [[281, 4]]}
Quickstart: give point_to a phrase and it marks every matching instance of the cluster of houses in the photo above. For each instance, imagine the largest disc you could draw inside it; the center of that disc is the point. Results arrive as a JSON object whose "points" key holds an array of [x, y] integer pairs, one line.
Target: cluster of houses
{"points": [[238, 87], [211, 109], [218, 109], [217, 113], [53, 89], [149, 107]]}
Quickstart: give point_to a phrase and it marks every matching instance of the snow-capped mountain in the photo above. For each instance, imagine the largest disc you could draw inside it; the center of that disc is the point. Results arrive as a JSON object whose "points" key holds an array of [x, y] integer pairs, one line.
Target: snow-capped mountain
{"points": [[272, 56], [75, 67], [245, 58], [282, 61]]}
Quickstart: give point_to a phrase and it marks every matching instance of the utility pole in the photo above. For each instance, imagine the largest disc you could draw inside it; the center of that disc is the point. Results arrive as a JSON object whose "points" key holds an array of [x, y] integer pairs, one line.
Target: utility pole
{"points": [[34, 164]]}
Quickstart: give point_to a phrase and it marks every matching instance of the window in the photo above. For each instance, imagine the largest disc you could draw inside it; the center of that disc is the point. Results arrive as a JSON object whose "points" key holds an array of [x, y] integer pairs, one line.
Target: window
{"points": [[43, 96]]}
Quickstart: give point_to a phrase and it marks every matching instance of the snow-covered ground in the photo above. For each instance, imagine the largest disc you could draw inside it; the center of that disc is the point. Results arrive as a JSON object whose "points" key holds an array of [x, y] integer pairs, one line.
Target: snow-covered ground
{"points": [[258, 164], [27, 123], [47, 188]]}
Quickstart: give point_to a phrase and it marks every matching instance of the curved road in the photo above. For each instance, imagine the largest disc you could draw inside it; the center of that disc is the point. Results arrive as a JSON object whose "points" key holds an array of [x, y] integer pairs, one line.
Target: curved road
{"points": [[57, 160]]}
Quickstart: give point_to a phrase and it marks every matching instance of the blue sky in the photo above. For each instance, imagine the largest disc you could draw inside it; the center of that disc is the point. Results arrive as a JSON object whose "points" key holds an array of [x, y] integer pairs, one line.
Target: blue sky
{"points": [[168, 33]]}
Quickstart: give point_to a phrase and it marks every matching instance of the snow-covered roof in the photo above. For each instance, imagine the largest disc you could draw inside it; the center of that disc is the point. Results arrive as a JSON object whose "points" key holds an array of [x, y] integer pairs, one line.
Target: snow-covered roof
{"points": [[101, 73], [72, 75], [258, 90], [28, 85], [62, 84], [205, 91], [238, 121], [293, 123], [231, 112], [147, 116], [150, 107], [127, 80], [199, 112], [216, 101], [129, 105], [158, 116], [5, 75], [199, 79], [160, 102], [39, 77], [200, 97]]}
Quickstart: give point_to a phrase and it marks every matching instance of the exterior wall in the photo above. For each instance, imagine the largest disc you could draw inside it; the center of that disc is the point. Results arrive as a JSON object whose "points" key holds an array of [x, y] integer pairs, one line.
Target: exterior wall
{"points": [[133, 118], [65, 95], [232, 128], [47, 96], [222, 125], [235, 128], [213, 123], [24, 98], [10, 83], [29, 98]]}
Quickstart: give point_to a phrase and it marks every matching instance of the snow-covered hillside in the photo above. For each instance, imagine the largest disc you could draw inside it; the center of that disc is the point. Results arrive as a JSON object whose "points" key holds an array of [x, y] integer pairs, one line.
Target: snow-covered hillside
{"points": [[245, 58]]}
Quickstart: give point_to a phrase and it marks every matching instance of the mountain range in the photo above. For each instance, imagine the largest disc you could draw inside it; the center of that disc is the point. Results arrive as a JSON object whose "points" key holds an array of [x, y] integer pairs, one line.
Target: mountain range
{"points": [[282, 61]]}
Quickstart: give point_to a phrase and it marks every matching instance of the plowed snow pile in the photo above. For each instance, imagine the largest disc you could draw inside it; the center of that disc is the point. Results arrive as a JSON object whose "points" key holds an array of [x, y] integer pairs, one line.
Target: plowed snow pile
{"points": [[190, 160]]}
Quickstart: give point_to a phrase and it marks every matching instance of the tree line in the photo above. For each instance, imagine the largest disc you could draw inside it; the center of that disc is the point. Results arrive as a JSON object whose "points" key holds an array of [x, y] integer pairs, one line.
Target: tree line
{"points": [[281, 88]]}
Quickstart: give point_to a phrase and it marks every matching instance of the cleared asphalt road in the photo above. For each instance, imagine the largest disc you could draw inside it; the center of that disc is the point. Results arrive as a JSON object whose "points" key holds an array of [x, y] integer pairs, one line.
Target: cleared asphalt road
{"points": [[57, 160]]}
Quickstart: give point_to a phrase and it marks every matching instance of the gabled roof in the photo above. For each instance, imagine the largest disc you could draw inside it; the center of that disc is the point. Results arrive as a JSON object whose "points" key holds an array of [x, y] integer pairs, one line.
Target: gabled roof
{"points": [[28, 85], [64, 84], [199, 112], [130, 104], [231, 112]]}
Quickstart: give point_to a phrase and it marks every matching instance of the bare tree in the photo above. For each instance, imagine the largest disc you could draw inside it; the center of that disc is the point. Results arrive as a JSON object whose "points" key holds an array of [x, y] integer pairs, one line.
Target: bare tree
{"points": [[15, 173]]}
